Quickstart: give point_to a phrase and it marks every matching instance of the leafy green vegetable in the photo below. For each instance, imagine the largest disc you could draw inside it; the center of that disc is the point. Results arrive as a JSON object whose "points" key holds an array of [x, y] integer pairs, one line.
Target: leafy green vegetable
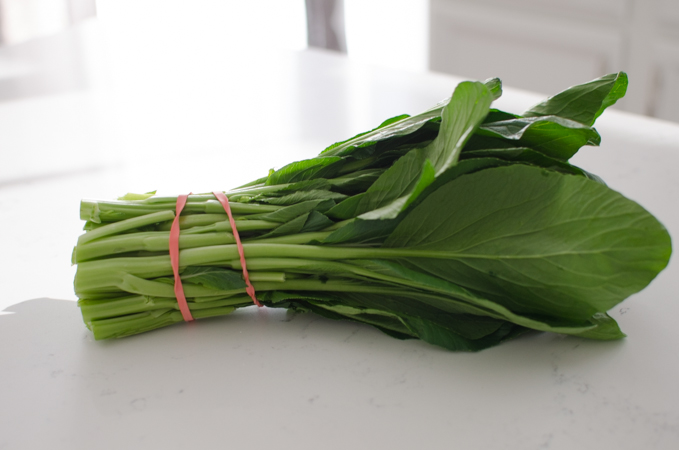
{"points": [[463, 226], [536, 241], [554, 136], [467, 108], [585, 102]]}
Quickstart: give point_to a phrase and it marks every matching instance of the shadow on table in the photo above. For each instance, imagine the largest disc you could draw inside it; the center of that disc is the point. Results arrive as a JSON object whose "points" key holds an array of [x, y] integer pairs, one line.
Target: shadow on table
{"points": [[258, 356]]}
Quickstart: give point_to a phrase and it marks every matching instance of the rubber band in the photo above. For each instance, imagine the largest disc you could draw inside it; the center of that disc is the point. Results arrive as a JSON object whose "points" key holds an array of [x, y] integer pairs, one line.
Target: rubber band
{"points": [[174, 260], [249, 289]]}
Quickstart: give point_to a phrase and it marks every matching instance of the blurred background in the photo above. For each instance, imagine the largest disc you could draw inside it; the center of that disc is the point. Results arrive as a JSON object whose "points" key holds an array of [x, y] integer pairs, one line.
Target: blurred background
{"points": [[158, 63], [103, 97], [542, 45]]}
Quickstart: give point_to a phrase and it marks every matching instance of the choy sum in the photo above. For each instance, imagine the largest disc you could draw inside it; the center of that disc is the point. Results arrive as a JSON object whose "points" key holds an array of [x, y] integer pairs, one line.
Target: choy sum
{"points": [[463, 226]]}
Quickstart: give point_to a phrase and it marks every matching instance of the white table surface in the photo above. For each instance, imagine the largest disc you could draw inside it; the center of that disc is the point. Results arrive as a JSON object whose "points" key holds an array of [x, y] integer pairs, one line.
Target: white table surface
{"points": [[263, 378]]}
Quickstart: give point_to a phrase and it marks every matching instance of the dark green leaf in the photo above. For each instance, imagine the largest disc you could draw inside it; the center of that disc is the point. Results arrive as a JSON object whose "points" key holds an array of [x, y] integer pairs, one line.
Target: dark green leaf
{"points": [[216, 278], [400, 180], [301, 170], [451, 298], [585, 102], [479, 142], [356, 182], [348, 208], [294, 226], [554, 136], [283, 296], [394, 130], [316, 221], [290, 212], [453, 331], [530, 156], [495, 115], [446, 336]]}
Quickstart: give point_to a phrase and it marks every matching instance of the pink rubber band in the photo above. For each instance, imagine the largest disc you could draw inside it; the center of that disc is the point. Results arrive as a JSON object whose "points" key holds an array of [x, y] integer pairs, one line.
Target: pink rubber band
{"points": [[249, 289], [174, 260]]}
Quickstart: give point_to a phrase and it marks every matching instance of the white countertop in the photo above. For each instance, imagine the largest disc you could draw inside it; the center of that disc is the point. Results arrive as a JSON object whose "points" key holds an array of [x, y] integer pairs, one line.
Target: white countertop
{"points": [[264, 378]]}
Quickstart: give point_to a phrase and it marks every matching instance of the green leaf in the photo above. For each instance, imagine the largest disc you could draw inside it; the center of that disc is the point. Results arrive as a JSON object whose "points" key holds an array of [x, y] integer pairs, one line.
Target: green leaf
{"points": [[392, 131], [293, 226], [404, 129], [290, 212], [554, 136], [389, 324], [451, 298], [307, 222], [494, 85], [480, 142], [410, 174], [403, 182], [355, 138], [530, 156], [306, 185], [362, 232], [355, 182], [398, 205], [466, 110], [283, 296], [216, 278], [463, 167], [424, 281], [496, 115], [585, 102], [300, 196], [536, 241], [446, 336], [316, 221], [301, 170], [459, 332], [347, 208], [606, 328]]}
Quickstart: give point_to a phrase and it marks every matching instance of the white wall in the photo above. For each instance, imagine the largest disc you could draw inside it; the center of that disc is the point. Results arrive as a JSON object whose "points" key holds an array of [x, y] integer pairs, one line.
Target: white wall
{"points": [[388, 33], [548, 45]]}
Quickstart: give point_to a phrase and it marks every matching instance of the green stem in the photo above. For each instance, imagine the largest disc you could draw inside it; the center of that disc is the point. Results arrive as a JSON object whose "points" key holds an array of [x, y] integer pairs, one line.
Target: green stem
{"points": [[198, 220], [146, 321], [156, 241], [157, 266], [112, 211], [126, 225], [104, 309], [151, 241], [300, 238]]}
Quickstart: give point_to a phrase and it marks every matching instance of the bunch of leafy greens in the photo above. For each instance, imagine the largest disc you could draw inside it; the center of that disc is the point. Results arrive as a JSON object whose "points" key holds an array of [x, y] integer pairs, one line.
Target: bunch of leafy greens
{"points": [[463, 226]]}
